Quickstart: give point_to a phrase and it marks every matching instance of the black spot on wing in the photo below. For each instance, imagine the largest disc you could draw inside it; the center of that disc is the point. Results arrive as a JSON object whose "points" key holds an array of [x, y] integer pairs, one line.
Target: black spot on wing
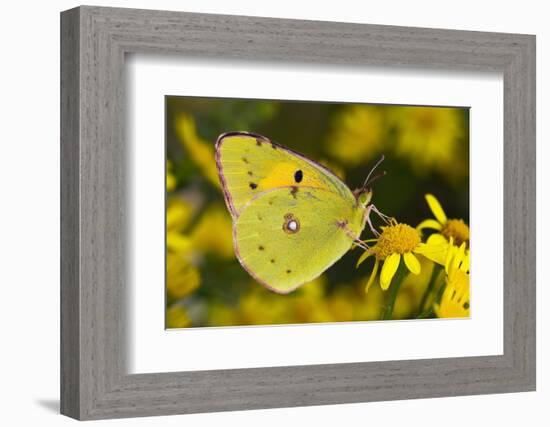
{"points": [[253, 186], [298, 176]]}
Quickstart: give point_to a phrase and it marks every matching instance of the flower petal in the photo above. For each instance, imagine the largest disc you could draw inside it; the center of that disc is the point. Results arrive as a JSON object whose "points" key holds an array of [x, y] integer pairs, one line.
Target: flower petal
{"points": [[436, 208], [434, 252], [412, 263], [429, 223], [391, 263], [372, 276], [437, 239], [448, 261], [465, 266], [459, 256], [363, 257]]}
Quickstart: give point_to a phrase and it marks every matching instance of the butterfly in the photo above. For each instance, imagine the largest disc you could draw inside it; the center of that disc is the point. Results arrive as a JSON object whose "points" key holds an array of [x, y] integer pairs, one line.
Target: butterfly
{"points": [[292, 217]]}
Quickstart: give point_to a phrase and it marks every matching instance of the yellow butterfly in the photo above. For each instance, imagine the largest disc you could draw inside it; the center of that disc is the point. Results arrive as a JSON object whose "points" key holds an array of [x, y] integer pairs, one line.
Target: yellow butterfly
{"points": [[292, 217]]}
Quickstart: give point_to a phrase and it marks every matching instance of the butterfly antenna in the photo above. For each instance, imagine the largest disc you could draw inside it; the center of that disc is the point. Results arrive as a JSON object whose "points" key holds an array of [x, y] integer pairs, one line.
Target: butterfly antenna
{"points": [[374, 178], [372, 170]]}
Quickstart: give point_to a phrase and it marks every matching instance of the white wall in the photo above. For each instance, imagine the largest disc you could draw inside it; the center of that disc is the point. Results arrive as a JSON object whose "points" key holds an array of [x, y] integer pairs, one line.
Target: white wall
{"points": [[29, 212]]}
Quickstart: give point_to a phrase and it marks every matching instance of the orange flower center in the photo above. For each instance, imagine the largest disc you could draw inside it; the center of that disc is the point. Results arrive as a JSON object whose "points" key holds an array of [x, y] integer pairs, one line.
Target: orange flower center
{"points": [[396, 238], [457, 229]]}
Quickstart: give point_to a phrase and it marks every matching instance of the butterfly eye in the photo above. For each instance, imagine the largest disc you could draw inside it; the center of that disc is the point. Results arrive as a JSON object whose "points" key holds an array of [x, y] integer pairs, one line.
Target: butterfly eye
{"points": [[298, 176], [365, 198]]}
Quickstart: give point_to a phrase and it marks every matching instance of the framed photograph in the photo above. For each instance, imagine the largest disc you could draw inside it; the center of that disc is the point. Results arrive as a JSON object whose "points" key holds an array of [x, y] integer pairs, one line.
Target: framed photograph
{"points": [[262, 213]]}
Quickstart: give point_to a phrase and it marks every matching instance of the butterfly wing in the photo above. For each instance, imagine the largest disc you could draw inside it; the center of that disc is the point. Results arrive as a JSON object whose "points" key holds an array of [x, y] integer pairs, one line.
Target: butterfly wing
{"points": [[289, 236], [249, 164]]}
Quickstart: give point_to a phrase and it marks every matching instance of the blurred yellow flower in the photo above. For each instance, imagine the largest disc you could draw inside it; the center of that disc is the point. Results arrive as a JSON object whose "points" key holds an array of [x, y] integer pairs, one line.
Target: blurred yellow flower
{"points": [[454, 229], [201, 151], [312, 303], [176, 317], [177, 242], [455, 301], [178, 214], [357, 134], [397, 240], [405, 303], [432, 138], [182, 277], [220, 314], [213, 232], [368, 306], [259, 306], [418, 282], [256, 308], [171, 181]]}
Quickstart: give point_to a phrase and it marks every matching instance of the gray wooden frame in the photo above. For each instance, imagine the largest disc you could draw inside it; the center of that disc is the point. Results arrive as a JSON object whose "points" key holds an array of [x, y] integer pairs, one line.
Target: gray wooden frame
{"points": [[94, 41]]}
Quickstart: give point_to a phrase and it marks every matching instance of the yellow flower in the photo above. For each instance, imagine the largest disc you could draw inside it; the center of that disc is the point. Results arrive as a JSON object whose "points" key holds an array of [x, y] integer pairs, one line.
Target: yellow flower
{"points": [[213, 233], [176, 317], [182, 277], [171, 181], [368, 306], [201, 151], [448, 228], [395, 242], [436, 248], [455, 301], [178, 214], [259, 306], [432, 138], [312, 303], [357, 134]]}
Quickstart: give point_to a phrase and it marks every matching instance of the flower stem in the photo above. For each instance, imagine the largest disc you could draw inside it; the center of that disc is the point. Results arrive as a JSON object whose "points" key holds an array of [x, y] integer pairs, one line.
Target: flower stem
{"points": [[431, 285], [425, 314], [440, 292], [394, 290]]}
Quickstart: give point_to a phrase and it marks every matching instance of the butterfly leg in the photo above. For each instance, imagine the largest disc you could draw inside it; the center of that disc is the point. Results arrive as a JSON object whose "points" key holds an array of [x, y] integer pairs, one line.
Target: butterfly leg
{"points": [[387, 219], [362, 244], [369, 222]]}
